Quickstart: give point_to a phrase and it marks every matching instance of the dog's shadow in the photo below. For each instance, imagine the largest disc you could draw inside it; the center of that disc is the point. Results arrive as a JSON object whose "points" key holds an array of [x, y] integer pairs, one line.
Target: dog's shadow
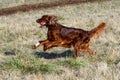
{"points": [[46, 55]]}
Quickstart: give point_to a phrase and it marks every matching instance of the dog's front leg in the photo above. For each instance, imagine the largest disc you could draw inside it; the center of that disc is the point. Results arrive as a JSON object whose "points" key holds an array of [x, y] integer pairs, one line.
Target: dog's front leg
{"points": [[44, 42], [48, 45], [40, 43]]}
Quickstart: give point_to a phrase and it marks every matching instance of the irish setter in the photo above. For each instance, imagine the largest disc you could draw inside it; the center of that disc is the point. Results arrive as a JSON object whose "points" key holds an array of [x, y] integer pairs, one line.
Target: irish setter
{"points": [[59, 35]]}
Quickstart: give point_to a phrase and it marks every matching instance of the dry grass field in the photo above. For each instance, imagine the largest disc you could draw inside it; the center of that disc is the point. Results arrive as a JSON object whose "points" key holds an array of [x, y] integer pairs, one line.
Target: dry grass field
{"points": [[19, 32]]}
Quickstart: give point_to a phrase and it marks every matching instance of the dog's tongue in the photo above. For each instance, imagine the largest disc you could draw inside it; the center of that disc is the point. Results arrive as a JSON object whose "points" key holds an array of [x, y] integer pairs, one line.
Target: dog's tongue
{"points": [[42, 23]]}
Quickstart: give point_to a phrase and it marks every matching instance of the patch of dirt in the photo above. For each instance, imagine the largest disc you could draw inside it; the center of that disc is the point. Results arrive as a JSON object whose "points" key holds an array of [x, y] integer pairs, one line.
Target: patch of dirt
{"points": [[39, 6]]}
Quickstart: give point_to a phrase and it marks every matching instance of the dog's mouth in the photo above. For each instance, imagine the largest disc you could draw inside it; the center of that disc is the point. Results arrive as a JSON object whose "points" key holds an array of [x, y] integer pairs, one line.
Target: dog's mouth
{"points": [[42, 23]]}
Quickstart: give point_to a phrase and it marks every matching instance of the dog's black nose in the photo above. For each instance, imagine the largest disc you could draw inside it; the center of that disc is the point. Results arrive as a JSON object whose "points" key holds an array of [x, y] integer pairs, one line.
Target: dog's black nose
{"points": [[38, 20]]}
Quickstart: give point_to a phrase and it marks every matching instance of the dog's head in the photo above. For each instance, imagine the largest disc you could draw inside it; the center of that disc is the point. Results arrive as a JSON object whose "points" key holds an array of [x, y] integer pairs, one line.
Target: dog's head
{"points": [[47, 20]]}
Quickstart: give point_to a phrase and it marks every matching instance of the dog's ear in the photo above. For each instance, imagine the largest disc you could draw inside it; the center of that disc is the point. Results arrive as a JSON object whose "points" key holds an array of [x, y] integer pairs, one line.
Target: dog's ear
{"points": [[52, 19]]}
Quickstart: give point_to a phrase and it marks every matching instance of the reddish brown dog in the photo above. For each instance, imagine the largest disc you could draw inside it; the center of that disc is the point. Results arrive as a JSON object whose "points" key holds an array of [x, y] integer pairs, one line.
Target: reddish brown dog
{"points": [[59, 35]]}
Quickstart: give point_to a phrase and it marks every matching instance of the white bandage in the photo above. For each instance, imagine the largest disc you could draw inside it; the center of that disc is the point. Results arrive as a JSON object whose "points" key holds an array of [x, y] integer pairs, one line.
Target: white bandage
{"points": [[37, 44]]}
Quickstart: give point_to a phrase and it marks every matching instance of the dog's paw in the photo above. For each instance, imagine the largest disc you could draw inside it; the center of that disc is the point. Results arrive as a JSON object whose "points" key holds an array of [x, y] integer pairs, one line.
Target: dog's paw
{"points": [[36, 45]]}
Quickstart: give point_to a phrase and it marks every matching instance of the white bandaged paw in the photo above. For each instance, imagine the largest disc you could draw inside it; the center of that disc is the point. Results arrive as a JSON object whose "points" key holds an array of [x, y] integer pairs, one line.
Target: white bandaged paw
{"points": [[37, 44]]}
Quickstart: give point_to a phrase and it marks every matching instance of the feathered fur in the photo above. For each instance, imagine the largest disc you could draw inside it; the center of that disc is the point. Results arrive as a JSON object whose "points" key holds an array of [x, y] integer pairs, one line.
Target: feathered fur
{"points": [[59, 35]]}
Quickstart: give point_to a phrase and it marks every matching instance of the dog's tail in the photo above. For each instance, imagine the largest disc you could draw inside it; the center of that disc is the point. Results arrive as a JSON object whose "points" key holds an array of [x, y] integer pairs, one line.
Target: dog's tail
{"points": [[96, 31]]}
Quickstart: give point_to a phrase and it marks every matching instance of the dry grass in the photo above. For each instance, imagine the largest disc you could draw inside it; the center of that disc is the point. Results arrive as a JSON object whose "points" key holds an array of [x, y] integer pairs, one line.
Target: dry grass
{"points": [[18, 32]]}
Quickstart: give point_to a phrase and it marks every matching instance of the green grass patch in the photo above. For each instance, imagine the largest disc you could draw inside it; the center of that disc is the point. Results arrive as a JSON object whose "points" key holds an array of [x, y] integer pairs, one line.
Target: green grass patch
{"points": [[109, 59], [60, 18], [72, 63], [91, 23], [93, 58], [27, 64]]}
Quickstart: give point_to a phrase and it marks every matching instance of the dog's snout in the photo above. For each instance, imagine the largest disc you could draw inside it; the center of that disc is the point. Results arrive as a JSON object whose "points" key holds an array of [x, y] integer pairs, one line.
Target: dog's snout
{"points": [[38, 20]]}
